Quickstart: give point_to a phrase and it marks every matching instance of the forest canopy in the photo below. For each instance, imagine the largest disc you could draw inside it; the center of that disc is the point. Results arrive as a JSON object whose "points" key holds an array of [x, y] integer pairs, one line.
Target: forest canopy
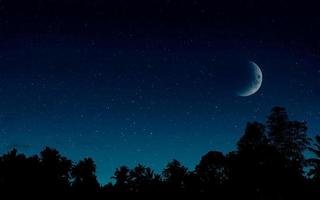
{"points": [[269, 163]]}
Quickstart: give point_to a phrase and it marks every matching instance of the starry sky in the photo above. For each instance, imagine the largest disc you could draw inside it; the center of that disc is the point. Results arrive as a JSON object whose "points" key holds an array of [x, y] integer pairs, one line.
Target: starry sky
{"points": [[128, 82]]}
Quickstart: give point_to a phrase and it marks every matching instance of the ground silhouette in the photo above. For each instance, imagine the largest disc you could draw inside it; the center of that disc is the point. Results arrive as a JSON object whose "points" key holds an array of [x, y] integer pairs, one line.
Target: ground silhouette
{"points": [[269, 163]]}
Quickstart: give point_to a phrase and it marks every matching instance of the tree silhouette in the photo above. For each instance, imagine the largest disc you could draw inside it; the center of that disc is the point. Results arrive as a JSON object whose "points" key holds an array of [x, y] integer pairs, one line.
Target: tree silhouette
{"points": [[122, 177], [17, 172], [289, 137], [212, 171], [277, 127], [269, 163], [257, 162], [315, 162], [55, 171], [84, 178], [314, 172], [175, 176], [143, 179], [253, 138]]}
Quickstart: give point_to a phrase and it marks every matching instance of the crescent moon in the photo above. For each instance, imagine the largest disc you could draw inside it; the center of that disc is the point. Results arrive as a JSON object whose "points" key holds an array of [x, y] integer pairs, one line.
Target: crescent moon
{"points": [[255, 83]]}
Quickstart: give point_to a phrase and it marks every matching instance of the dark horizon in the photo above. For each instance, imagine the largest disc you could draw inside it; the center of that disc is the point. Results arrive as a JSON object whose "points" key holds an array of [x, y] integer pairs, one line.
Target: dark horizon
{"points": [[128, 82], [269, 163]]}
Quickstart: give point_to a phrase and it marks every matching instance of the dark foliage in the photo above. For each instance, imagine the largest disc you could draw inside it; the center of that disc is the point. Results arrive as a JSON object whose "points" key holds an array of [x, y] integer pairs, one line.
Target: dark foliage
{"points": [[84, 178], [269, 163]]}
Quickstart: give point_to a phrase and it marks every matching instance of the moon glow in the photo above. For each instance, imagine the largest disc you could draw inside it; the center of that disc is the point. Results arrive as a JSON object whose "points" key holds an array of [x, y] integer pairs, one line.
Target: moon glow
{"points": [[255, 81]]}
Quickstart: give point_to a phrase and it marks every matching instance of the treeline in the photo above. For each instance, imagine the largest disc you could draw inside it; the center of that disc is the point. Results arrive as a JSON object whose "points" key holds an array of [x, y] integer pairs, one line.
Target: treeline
{"points": [[269, 163]]}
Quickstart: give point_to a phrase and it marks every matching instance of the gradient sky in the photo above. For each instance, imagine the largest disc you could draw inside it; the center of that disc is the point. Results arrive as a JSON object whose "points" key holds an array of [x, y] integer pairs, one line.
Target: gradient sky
{"points": [[144, 82]]}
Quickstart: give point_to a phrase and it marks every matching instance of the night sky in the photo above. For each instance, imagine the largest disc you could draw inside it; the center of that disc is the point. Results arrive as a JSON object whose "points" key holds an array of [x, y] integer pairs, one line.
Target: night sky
{"points": [[128, 82]]}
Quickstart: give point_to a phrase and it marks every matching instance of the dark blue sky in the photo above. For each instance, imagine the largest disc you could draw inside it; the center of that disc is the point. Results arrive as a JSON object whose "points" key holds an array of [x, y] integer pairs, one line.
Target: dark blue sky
{"points": [[127, 83]]}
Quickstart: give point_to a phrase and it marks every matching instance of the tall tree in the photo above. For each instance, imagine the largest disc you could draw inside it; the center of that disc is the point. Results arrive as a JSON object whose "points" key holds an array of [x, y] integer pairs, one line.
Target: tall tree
{"points": [[257, 162], [253, 138], [122, 178], [277, 124], [55, 170], [84, 178], [289, 137], [175, 176], [212, 170]]}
